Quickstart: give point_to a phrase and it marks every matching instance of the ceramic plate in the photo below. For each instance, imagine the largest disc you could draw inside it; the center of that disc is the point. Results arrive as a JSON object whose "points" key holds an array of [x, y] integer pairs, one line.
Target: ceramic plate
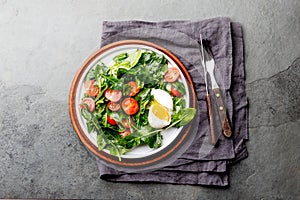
{"points": [[142, 155]]}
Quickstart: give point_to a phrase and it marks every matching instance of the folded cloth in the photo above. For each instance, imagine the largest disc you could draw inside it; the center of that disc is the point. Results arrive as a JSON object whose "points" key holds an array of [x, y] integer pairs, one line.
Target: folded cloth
{"points": [[227, 45]]}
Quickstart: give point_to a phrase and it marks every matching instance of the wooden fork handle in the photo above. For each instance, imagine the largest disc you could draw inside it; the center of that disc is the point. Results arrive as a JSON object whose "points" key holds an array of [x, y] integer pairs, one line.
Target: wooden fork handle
{"points": [[211, 120], [227, 132]]}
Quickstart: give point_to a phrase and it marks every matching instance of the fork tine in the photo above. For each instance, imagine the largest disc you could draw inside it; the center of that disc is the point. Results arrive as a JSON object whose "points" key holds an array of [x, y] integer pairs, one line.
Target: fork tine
{"points": [[207, 55], [206, 45], [202, 51]]}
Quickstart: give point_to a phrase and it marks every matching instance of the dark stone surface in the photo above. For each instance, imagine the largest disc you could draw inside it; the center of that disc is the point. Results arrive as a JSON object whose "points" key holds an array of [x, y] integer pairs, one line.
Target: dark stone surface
{"points": [[44, 44], [275, 100]]}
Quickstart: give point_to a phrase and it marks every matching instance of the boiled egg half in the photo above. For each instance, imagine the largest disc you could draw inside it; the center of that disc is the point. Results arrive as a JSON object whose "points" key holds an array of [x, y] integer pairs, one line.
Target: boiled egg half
{"points": [[161, 110]]}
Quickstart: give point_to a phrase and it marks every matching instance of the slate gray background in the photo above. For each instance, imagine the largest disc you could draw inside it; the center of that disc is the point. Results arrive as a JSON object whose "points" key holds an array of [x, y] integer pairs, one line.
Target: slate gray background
{"points": [[43, 43]]}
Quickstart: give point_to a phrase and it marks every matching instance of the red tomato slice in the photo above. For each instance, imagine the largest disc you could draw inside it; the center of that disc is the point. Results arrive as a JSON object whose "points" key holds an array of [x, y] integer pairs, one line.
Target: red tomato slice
{"points": [[175, 92], [93, 91], [113, 106], [125, 133], [113, 95], [172, 75], [130, 106], [134, 88], [111, 121], [89, 102], [88, 84]]}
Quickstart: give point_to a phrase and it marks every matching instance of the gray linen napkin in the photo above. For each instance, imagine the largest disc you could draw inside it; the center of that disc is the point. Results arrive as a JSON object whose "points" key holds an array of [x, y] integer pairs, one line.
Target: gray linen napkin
{"points": [[227, 46]]}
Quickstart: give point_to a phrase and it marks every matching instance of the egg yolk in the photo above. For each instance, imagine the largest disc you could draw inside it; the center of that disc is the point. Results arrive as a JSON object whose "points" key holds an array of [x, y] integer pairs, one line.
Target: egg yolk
{"points": [[160, 112]]}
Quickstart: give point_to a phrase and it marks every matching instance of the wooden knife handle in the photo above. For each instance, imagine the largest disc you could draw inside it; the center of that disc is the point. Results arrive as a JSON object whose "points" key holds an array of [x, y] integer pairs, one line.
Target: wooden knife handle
{"points": [[211, 120], [223, 114]]}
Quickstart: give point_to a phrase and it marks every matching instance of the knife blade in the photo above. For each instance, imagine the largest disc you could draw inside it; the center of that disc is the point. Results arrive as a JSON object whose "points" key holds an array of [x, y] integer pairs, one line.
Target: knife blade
{"points": [[210, 66], [208, 98]]}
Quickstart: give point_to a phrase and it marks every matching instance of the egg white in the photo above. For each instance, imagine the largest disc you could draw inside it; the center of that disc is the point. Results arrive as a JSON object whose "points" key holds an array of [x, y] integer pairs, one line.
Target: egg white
{"points": [[163, 98], [155, 122]]}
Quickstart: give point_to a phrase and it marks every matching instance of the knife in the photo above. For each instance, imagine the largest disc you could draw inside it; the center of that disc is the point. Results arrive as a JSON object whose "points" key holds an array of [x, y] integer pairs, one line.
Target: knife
{"points": [[208, 100], [210, 66]]}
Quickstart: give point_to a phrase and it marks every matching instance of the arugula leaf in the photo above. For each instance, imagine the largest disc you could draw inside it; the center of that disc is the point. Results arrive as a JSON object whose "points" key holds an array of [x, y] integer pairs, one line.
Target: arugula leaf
{"points": [[121, 72], [90, 126], [121, 57], [110, 134], [154, 141], [145, 131], [129, 142], [86, 114], [104, 120], [116, 150], [178, 104], [101, 141]]}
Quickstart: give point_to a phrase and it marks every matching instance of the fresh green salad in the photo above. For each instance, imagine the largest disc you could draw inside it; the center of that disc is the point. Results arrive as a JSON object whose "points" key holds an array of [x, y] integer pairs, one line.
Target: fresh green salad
{"points": [[129, 103]]}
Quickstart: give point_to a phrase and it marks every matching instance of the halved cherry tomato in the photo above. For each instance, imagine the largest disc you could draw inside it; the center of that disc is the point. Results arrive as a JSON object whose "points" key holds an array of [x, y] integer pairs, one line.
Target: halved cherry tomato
{"points": [[111, 121], [113, 95], [125, 123], [113, 106], [175, 92], [134, 88], [130, 106], [91, 89], [125, 133], [88, 84], [172, 75], [89, 102]]}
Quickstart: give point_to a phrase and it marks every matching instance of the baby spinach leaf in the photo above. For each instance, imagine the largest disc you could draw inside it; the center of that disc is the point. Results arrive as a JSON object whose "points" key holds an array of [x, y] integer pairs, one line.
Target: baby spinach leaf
{"points": [[146, 57], [134, 57], [187, 114]]}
